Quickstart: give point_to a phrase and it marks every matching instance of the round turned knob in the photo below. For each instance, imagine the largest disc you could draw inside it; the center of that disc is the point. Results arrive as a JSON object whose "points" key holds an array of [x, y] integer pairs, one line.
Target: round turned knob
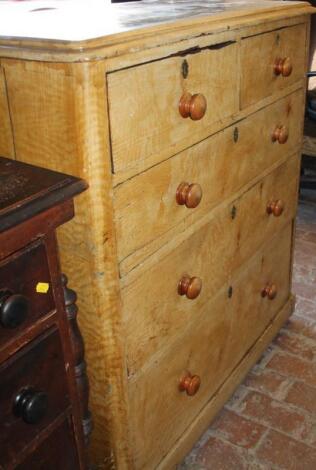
{"points": [[190, 287], [280, 134], [189, 194], [31, 405], [190, 384], [193, 106], [13, 308], [275, 207], [283, 67], [269, 291]]}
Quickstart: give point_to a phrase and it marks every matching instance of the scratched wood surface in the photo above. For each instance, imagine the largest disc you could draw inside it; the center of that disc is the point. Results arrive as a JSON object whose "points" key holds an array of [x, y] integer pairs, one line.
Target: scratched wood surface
{"points": [[57, 116], [144, 102], [221, 165], [206, 350], [220, 246], [258, 80]]}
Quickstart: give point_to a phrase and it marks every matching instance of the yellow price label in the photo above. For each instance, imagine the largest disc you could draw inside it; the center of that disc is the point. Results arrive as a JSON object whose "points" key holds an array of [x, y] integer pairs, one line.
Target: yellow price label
{"points": [[42, 287]]}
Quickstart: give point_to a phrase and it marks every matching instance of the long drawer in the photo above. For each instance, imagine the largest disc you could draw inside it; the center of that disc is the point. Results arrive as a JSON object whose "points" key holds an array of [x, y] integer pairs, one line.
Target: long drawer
{"points": [[146, 206], [144, 103], [154, 313], [271, 61], [207, 353]]}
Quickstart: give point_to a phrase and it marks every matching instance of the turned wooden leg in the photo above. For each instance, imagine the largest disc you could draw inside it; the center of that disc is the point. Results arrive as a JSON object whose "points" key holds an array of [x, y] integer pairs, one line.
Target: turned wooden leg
{"points": [[78, 353]]}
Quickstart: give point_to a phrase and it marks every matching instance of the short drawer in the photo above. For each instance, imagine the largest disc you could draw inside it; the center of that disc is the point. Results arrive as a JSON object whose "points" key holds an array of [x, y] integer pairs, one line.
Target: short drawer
{"points": [[154, 313], [22, 300], [145, 121], [231, 323], [6, 139], [271, 61], [57, 452], [150, 204], [33, 393]]}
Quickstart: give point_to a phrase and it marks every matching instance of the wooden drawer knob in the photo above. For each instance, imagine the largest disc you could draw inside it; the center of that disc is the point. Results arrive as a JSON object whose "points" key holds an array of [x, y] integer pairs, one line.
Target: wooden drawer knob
{"points": [[189, 195], [280, 134], [269, 291], [193, 106], [190, 287], [31, 405], [275, 207], [283, 67], [13, 309], [190, 384]]}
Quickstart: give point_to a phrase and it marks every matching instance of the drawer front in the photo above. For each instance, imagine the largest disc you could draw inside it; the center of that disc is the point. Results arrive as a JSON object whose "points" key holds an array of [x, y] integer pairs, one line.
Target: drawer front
{"points": [[6, 139], [144, 104], [20, 302], [58, 451], [147, 207], [33, 393], [159, 411], [154, 313], [260, 76], [272, 282]]}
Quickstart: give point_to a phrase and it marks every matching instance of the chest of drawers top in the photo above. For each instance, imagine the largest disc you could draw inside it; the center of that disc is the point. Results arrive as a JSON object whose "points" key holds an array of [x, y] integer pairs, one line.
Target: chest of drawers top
{"points": [[26, 190], [103, 30]]}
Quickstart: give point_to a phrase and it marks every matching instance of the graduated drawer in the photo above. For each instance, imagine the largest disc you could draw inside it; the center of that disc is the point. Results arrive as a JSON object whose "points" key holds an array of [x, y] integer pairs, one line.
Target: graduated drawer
{"points": [[24, 278], [231, 321], [154, 313], [145, 121], [271, 61], [33, 393], [146, 206]]}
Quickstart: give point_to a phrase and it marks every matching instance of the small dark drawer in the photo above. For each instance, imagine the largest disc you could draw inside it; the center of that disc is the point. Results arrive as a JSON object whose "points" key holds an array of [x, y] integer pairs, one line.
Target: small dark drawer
{"points": [[33, 393], [22, 277], [58, 451]]}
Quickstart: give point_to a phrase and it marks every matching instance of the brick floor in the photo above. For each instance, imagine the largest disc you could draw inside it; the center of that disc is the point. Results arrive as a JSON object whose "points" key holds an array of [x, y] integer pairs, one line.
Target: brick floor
{"points": [[270, 422]]}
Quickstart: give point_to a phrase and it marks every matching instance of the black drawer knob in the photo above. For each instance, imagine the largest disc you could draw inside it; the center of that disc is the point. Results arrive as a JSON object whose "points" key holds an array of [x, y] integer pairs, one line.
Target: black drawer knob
{"points": [[13, 308], [31, 405]]}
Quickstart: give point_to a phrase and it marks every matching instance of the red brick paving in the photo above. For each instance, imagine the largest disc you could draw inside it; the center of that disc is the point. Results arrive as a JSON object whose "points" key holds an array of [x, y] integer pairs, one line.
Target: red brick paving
{"points": [[270, 422], [238, 430], [265, 381], [302, 396], [286, 453]]}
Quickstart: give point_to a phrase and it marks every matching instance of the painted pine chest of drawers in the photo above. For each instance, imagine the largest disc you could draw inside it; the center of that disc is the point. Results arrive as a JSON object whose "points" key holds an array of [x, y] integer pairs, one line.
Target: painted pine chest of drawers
{"points": [[186, 120]]}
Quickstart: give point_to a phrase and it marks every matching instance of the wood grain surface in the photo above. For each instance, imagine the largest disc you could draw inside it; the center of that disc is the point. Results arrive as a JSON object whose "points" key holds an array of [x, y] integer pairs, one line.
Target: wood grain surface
{"points": [[211, 348], [144, 102], [258, 56], [108, 112], [145, 206], [212, 253]]}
